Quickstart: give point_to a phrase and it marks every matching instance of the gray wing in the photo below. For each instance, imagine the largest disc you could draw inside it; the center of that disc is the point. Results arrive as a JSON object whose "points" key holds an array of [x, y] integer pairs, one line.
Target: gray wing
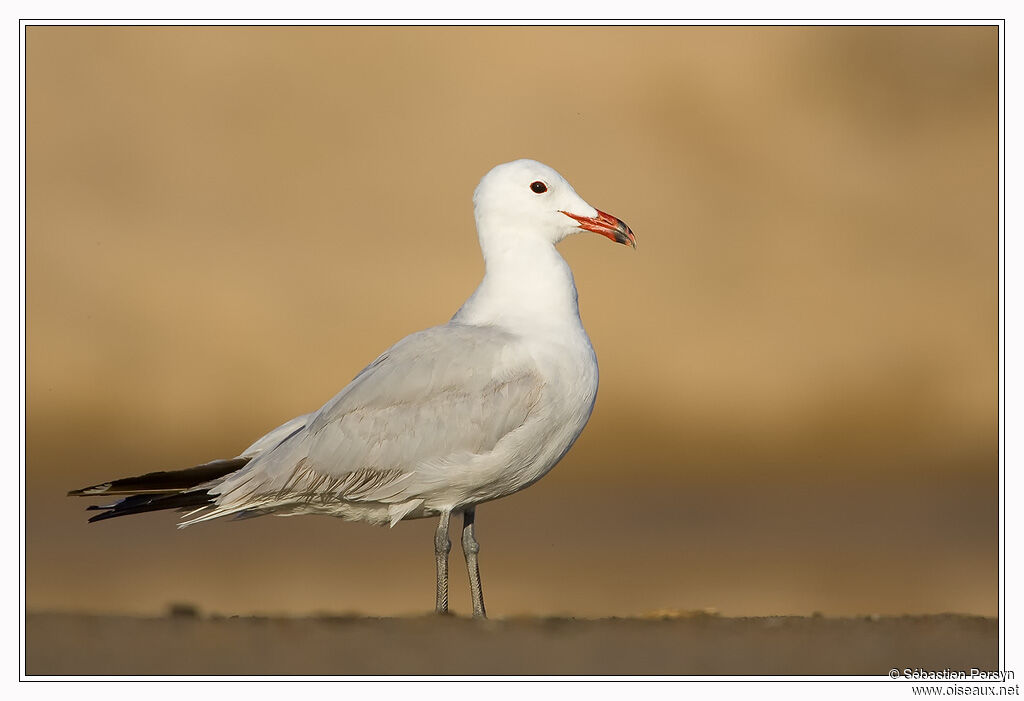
{"points": [[277, 436], [430, 403]]}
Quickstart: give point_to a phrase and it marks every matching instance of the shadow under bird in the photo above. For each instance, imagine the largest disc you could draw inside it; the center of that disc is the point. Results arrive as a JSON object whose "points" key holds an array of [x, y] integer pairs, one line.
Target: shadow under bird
{"points": [[445, 419]]}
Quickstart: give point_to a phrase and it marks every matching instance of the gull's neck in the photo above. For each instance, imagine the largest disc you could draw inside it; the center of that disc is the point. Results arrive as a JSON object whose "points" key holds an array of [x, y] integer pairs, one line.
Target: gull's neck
{"points": [[528, 286]]}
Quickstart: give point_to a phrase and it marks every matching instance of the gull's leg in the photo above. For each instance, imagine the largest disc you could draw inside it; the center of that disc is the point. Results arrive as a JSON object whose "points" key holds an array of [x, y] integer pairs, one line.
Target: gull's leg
{"points": [[470, 548], [441, 548]]}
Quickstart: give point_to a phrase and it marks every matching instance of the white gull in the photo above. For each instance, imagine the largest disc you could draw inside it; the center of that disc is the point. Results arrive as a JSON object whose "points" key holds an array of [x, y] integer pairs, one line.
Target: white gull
{"points": [[445, 419]]}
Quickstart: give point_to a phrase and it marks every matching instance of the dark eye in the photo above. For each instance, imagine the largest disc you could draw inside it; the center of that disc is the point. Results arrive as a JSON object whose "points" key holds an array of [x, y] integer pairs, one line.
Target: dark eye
{"points": [[538, 187]]}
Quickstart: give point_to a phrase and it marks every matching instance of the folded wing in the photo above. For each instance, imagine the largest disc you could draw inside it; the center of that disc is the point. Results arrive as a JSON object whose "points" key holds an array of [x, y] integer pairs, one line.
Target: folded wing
{"points": [[414, 418]]}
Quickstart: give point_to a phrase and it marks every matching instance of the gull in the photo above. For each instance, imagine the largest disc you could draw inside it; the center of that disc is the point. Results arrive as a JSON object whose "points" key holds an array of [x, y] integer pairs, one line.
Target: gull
{"points": [[447, 418]]}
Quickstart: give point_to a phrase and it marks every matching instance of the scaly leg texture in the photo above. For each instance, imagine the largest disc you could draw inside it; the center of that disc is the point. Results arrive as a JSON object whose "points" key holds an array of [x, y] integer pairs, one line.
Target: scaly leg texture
{"points": [[470, 548], [442, 546]]}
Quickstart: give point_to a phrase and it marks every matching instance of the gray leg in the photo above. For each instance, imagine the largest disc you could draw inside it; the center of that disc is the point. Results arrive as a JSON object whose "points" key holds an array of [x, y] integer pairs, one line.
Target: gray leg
{"points": [[470, 548], [441, 548]]}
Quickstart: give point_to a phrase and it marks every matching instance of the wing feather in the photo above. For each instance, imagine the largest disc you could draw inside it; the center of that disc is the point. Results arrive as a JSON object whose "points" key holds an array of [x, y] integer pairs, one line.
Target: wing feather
{"points": [[435, 398]]}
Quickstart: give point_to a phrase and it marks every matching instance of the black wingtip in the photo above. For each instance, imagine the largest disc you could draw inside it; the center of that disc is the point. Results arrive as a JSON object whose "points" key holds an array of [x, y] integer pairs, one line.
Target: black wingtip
{"points": [[110, 513], [164, 482], [155, 491], [94, 490], [141, 503]]}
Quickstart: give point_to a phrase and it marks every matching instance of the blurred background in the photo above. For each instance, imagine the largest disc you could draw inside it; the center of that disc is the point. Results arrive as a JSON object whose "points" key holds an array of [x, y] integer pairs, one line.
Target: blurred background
{"points": [[798, 406]]}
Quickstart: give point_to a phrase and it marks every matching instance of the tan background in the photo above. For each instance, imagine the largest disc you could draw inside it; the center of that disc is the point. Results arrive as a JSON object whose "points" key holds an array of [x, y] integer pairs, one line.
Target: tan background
{"points": [[798, 408]]}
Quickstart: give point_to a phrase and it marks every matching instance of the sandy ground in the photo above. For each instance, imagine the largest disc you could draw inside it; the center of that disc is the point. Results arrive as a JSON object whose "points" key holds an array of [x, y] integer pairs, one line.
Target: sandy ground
{"points": [[72, 644]]}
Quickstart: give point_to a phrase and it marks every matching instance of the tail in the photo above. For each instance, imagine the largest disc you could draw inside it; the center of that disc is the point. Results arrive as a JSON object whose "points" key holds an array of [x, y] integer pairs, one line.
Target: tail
{"points": [[156, 491]]}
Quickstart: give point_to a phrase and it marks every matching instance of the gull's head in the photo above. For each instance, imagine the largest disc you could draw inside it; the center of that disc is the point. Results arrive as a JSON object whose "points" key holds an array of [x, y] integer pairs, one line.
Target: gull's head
{"points": [[527, 199]]}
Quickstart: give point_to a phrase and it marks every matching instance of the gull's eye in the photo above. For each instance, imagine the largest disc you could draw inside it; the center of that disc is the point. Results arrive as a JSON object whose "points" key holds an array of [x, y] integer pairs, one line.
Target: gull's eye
{"points": [[538, 187]]}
